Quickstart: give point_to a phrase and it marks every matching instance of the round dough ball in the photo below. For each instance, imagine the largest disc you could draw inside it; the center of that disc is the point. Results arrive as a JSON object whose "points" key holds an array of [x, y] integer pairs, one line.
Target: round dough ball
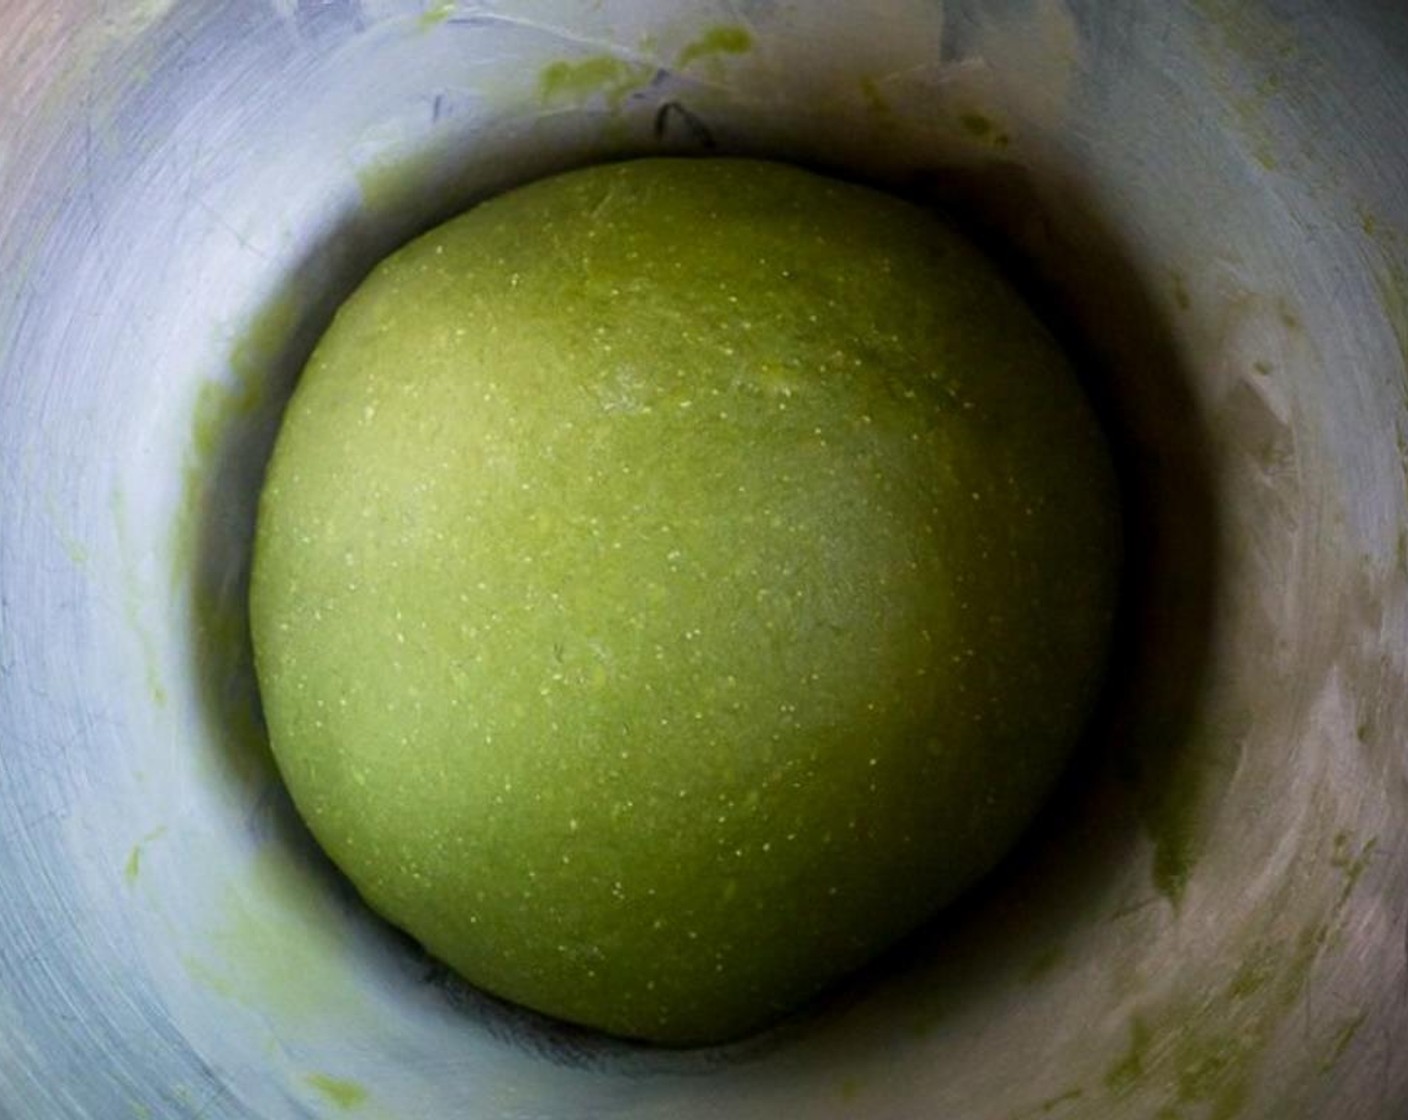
{"points": [[675, 581]]}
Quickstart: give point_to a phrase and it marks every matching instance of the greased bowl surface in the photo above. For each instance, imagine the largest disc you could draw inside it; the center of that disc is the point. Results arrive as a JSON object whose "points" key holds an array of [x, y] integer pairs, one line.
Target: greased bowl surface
{"points": [[1209, 201]]}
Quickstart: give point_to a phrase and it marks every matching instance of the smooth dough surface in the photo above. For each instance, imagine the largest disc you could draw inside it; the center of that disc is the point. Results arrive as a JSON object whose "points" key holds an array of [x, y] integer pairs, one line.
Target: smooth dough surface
{"points": [[675, 580]]}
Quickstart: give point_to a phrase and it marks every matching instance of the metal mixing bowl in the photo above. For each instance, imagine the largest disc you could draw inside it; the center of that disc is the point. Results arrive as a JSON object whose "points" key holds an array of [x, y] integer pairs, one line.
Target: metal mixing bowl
{"points": [[1211, 197]]}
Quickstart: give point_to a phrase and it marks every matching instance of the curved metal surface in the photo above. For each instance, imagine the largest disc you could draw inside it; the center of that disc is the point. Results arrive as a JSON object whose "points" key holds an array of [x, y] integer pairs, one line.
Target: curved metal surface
{"points": [[1213, 920]]}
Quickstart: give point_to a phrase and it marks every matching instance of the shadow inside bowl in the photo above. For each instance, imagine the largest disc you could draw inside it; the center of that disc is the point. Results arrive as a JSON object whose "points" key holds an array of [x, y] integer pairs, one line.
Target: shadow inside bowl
{"points": [[1138, 788]]}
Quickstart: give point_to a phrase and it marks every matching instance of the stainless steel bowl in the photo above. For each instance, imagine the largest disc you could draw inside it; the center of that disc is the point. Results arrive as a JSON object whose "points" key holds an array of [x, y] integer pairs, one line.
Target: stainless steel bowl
{"points": [[1211, 196]]}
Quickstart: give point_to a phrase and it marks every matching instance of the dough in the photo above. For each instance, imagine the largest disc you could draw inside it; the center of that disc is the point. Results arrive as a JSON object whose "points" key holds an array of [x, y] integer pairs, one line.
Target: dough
{"points": [[675, 581]]}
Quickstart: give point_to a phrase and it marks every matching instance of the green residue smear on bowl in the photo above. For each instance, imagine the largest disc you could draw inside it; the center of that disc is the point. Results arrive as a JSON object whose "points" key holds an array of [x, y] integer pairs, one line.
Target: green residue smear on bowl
{"points": [[1060, 1101], [203, 548], [1126, 1073], [985, 130], [873, 97], [1392, 283], [1343, 1034], [436, 14], [1390, 275], [227, 677], [1203, 1053], [132, 869], [392, 186], [604, 75], [134, 598], [346, 1095], [1042, 964], [219, 405], [1176, 838], [1173, 775], [722, 40], [281, 944], [614, 78]]}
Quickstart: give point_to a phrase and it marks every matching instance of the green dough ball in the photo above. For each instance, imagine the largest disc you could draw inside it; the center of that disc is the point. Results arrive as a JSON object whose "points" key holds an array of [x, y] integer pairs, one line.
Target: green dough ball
{"points": [[675, 581]]}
